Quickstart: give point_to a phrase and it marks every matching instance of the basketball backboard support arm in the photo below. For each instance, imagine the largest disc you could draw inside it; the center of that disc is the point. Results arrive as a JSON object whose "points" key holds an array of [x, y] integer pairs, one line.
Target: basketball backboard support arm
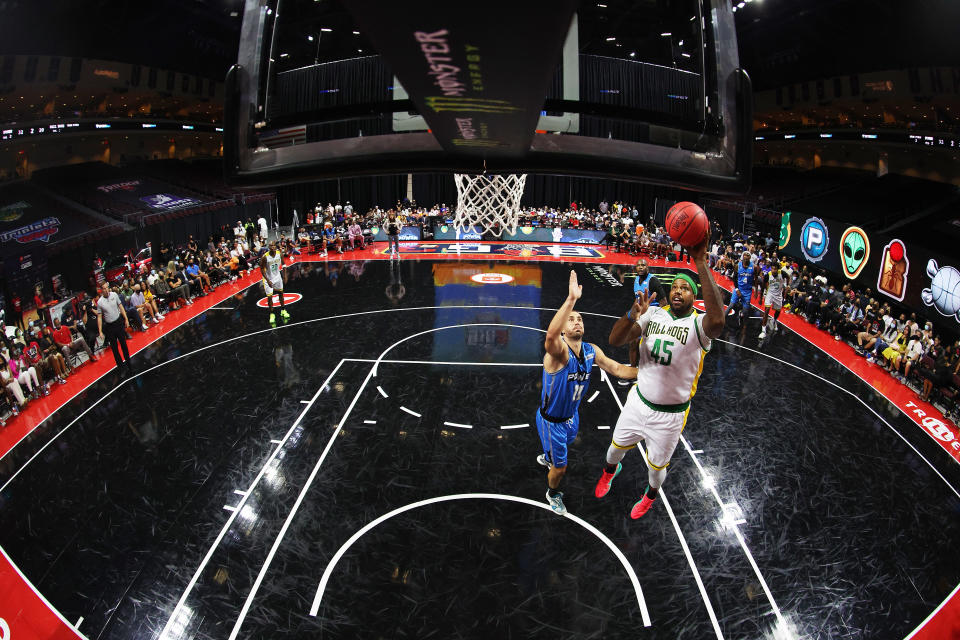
{"points": [[721, 164]]}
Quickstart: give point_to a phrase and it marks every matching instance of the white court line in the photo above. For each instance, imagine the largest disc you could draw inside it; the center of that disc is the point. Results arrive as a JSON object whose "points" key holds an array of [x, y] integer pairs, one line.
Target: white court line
{"points": [[457, 424], [293, 513], [515, 426], [711, 486], [78, 623], [304, 402], [276, 442], [222, 308], [382, 392], [603, 426], [239, 493], [594, 396], [863, 402], [228, 507], [410, 411], [459, 364], [683, 541], [315, 608], [165, 633], [695, 451], [369, 422]]}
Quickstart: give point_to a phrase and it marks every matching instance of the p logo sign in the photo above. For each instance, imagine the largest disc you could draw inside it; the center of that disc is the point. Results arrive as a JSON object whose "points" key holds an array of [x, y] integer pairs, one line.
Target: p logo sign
{"points": [[814, 239]]}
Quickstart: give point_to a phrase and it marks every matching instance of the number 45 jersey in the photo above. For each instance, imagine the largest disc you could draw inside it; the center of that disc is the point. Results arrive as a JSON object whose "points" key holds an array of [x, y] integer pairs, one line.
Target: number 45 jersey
{"points": [[672, 350]]}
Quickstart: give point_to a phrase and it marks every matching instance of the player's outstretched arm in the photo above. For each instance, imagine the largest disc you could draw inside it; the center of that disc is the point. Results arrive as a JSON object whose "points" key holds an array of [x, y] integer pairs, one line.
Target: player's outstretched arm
{"points": [[626, 328], [714, 320], [553, 343], [613, 367]]}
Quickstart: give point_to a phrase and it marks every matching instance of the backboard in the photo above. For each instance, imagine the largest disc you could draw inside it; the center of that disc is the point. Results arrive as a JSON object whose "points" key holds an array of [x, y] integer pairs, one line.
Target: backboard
{"points": [[503, 87]]}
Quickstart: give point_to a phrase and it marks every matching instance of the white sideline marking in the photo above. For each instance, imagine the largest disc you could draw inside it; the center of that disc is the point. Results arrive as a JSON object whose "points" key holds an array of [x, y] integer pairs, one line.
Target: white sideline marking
{"points": [[603, 426], [382, 392], [515, 426], [228, 507], [165, 633], [410, 411], [594, 396], [369, 422], [683, 541], [457, 424]]}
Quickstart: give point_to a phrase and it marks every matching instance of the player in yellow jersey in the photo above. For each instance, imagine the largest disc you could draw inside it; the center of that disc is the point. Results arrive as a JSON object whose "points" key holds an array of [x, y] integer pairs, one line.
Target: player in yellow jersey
{"points": [[674, 339]]}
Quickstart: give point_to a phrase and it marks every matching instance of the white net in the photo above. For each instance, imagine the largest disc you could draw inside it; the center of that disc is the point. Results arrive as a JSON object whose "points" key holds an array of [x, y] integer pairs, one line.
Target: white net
{"points": [[491, 202]]}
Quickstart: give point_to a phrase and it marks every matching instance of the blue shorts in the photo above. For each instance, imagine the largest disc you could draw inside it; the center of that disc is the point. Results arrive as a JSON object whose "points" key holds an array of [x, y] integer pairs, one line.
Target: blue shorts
{"points": [[556, 436], [744, 299]]}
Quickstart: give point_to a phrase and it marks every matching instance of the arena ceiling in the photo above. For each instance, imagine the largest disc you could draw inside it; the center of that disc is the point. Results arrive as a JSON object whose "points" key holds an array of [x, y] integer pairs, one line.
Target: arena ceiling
{"points": [[781, 41]]}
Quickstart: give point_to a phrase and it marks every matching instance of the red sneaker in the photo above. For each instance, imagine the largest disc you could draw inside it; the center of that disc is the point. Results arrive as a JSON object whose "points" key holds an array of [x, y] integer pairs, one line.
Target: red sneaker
{"points": [[603, 484], [641, 507]]}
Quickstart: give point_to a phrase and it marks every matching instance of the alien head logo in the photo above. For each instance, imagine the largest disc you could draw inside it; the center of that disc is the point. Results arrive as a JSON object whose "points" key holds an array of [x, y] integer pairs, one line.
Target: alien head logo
{"points": [[854, 251], [784, 231]]}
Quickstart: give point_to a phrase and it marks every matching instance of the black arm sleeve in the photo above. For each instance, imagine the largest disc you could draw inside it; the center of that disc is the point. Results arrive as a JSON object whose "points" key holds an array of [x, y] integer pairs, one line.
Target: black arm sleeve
{"points": [[657, 288]]}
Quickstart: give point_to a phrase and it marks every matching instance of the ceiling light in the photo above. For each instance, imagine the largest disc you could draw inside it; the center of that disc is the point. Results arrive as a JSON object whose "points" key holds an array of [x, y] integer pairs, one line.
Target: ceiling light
{"points": [[356, 33], [741, 5], [685, 55], [666, 34], [325, 29], [611, 39], [284, 55], [680, 43], [310, 38], [234, 14], [269, 12], [633, 54]]}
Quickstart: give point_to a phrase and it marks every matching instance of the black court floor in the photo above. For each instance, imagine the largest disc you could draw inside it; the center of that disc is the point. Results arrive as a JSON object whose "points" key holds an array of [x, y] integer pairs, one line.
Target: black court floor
{"points": [[367, 470]]}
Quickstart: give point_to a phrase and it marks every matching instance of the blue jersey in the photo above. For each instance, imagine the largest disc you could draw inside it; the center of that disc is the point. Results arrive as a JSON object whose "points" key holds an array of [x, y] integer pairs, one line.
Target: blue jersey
{"points": [[644, 286], [745, 279], [562, 391]]}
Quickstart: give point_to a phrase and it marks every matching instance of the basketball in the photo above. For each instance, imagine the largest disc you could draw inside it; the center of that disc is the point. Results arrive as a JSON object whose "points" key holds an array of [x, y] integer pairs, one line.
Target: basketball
{"points": [[687, 224]]}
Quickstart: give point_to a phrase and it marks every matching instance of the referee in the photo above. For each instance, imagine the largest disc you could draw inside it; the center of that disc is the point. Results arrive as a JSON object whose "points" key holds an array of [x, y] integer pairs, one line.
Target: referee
{"points": [[110, 326]]}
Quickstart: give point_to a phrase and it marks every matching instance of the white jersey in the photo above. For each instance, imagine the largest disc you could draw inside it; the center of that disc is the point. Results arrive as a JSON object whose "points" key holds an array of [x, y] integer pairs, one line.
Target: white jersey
{"points": [[775, 288], [274, 263], [671, 358]]}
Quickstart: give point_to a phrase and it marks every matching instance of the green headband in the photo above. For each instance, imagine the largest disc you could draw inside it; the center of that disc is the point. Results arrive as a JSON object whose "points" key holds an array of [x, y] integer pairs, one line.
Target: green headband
{"points": [[689, 280]]}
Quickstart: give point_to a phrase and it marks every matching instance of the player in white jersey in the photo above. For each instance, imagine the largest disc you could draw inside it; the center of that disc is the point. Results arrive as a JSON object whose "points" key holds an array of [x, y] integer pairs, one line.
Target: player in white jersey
{"points": [[776, 282], [674, 339], [271, 264]]}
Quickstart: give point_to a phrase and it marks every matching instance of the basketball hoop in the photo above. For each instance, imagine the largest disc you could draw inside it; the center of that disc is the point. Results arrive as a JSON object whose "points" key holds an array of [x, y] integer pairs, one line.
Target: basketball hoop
{"points": [[491, 202]]}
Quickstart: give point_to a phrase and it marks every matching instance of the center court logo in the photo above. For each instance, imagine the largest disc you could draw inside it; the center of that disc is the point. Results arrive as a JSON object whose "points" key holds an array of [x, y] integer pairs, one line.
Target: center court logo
{"points": [[288, 299], [814, 239]]}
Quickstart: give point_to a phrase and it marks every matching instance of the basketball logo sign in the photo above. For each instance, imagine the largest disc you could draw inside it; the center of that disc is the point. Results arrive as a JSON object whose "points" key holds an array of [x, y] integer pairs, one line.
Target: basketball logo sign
{"points": [[814, 239], [944, 292], [288, 298]]}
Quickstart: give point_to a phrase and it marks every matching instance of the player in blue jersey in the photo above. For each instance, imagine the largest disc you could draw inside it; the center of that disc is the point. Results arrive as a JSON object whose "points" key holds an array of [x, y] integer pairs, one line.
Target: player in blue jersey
{"points": [[647, 284], [746, 274], [567, 366]]}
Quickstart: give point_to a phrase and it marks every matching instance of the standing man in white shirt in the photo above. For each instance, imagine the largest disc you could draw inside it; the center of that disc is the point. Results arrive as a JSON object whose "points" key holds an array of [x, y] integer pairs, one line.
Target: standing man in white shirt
{"points": [[112, 324]]}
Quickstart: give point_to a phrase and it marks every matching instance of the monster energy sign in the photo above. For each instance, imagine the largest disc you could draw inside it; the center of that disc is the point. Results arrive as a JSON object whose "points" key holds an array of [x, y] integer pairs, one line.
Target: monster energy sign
{"points": [[478, 77]]}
